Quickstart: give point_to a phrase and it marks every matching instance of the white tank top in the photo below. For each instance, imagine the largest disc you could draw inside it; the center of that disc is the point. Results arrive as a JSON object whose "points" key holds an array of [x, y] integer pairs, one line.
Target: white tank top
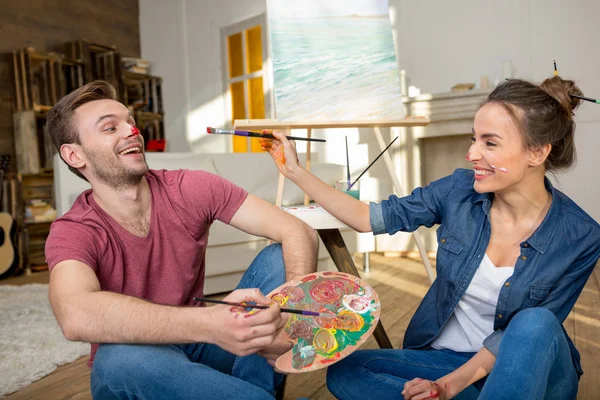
{"points": [[473, 318]]}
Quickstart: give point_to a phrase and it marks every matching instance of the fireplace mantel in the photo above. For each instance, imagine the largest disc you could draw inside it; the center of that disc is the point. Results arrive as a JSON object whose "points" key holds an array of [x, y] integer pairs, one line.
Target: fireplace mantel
{"points": [[450, 113]]}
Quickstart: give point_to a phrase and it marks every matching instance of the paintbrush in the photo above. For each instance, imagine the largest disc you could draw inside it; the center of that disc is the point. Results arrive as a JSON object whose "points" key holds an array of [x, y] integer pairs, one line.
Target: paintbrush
{"points": [[576, 95], [257, 134], [347, 162], [585, 98], [366, 169], [249, 305]]}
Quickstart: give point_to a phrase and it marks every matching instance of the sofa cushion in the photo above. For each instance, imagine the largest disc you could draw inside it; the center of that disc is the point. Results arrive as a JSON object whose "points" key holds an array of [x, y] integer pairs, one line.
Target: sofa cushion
{"points": [[173, 161], [68, 186]]}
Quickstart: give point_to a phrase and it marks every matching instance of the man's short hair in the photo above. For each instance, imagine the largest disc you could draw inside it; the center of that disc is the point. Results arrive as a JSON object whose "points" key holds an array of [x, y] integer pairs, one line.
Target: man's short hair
{"points": [[59, 121]]}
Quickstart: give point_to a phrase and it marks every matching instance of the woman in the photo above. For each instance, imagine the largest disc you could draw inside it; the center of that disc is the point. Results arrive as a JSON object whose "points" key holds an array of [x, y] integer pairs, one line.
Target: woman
{"points": [[514, 254]]}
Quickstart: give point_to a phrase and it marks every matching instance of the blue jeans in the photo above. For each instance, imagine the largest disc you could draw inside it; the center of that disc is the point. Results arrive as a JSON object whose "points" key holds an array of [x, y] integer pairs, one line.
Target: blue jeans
{"points": [[191, 371], [534, 362]]}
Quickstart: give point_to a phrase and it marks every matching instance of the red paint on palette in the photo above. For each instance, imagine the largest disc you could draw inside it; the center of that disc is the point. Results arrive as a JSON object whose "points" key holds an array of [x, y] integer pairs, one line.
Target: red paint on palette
{"points": [[331, 360]]}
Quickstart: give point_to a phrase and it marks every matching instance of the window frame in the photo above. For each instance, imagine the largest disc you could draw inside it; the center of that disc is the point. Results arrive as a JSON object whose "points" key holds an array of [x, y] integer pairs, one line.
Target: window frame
{"points": [[265, 72]]}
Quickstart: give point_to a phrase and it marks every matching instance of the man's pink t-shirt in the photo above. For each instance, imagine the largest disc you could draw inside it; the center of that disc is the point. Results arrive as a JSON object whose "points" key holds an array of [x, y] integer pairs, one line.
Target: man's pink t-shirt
{"points": [[167, 266]]}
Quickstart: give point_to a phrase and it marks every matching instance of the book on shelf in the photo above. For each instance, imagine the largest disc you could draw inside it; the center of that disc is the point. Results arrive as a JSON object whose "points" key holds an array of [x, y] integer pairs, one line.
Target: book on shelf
{"points": [[136, 65], [37, 210]]}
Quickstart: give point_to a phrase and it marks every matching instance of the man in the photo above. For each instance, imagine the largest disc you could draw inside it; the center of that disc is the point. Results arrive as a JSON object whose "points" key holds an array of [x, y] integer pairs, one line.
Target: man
{"points": [[128, 258]]}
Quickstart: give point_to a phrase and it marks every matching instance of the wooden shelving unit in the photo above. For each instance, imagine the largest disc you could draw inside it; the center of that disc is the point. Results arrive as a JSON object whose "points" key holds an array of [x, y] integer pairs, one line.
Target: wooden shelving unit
{"points": [[37, 214], [41, 79]]}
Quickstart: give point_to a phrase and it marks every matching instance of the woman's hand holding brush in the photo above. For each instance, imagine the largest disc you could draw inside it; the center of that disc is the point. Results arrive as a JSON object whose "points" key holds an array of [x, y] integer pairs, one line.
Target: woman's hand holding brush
{"points": [[339, 204], [283, 152]]}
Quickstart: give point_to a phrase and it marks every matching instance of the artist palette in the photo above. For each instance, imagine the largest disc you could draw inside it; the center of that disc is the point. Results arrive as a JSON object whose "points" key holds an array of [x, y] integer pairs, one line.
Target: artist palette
{"points": [[321, 341]]}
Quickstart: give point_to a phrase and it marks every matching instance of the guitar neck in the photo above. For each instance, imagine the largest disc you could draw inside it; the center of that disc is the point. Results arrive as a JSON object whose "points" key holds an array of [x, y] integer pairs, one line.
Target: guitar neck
{"points": [[1, 190], [4, 162]]}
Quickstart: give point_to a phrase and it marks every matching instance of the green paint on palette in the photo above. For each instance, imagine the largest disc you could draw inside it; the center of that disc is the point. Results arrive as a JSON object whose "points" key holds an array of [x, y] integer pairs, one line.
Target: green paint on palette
{"points": [[319, 294], [302, 359]]}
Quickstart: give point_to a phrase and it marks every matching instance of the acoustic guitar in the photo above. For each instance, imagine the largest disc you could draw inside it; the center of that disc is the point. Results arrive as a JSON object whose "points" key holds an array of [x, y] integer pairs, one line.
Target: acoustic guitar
{"points": [[9, 258]]}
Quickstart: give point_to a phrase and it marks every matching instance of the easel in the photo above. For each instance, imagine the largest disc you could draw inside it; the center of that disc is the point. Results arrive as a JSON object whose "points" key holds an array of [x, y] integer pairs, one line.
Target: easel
{"points": [[332, 238], [286, 126]]}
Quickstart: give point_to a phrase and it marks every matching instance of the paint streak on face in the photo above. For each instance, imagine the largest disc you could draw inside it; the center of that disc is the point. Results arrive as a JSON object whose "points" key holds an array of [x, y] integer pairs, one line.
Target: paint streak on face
{"points": [[105, 130], [502, 169], [135, 131], [498, 154]]}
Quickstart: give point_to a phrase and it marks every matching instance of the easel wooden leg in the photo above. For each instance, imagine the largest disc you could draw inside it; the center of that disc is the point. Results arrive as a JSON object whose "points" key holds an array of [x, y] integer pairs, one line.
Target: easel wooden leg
{"points": [[280, 186], [308, 135], [400, 191], [333, 241]]}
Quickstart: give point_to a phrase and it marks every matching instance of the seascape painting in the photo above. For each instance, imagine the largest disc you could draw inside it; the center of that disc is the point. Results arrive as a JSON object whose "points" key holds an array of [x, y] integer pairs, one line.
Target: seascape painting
{"points": [[350, 312], [333, 60]]}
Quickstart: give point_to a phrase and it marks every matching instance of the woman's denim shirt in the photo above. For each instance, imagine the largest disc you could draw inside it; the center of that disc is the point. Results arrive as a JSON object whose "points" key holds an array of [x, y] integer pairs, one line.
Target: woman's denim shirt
{"points": [[553, 267]]}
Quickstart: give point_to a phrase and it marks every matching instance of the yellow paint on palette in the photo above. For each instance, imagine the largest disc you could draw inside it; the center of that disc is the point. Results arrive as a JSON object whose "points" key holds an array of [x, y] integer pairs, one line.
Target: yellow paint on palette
{"points": [[280, 298], [321, 341], [324, 342]]}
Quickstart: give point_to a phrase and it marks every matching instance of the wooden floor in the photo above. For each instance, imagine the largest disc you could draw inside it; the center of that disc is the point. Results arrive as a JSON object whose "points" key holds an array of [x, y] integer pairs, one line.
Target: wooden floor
{"points": [[401, 284]]}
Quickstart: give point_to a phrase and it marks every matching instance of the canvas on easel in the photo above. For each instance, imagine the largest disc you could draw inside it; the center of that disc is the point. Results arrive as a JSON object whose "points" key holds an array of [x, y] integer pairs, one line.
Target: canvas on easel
{"points": [[334, 66], [333, 60]]}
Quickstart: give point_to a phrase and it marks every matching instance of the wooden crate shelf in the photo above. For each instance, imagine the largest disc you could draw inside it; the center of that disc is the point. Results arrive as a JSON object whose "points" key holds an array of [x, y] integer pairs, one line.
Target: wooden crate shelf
{"points": [[35, 189], [41, 79]]}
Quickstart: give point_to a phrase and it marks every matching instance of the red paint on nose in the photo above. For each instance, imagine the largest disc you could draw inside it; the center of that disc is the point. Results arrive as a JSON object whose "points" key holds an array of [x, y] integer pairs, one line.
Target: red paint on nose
{"points": [[135, 131], [468, 157]]}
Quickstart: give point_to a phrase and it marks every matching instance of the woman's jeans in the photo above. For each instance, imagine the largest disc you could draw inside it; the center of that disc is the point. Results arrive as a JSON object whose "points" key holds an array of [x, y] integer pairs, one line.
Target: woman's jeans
{"points": [[534, 362], [192, 371]]}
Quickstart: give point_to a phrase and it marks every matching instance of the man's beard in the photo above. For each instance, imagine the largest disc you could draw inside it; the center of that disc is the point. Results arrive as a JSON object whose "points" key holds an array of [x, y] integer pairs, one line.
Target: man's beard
{"points": [[114, 173]]}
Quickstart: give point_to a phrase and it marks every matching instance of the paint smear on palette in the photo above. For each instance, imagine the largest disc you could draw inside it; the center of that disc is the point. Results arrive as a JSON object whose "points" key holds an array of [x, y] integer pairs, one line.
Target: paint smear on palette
{"points": [[322, 341]]}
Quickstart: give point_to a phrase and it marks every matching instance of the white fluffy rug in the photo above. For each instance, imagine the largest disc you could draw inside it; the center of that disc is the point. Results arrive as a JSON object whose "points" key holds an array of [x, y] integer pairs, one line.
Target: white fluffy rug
{"points": [[31, 342]]}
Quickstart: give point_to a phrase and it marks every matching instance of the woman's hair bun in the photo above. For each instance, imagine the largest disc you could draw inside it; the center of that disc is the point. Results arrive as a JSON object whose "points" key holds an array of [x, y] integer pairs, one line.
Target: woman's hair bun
{"points": [[561, 89]]}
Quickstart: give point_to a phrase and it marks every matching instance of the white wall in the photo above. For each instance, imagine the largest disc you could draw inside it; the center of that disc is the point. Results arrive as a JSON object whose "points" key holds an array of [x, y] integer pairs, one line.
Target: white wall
{"points": [[161, 36], [442, 43], [439, 43], [182, 40]]}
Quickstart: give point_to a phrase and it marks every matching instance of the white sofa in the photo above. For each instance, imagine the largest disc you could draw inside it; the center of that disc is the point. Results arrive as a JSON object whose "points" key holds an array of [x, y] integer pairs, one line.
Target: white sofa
{"points": [[230, 251]]}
